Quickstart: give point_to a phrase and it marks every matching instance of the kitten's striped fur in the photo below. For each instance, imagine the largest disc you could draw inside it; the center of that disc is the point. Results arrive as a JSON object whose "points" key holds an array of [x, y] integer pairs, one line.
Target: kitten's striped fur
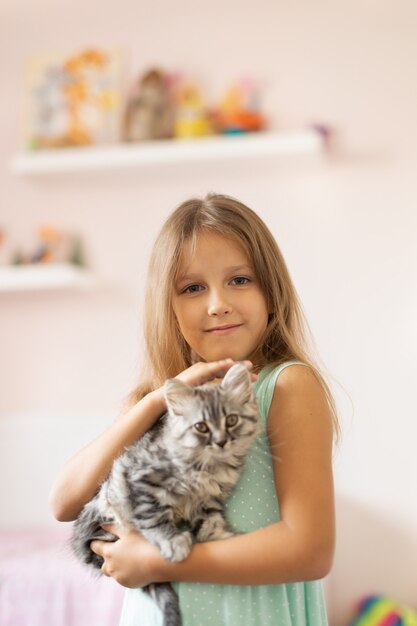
{"points": [[178, 474]]}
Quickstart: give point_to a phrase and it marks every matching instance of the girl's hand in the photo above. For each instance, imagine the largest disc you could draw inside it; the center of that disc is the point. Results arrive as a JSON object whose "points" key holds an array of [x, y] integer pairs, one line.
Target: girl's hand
{"points": [[202, 372], [130, 560], [198, 374]]}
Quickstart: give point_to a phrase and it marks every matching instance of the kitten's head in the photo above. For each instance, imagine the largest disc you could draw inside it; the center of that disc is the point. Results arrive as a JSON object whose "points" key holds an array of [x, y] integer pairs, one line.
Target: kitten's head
{"points": [[213, 422]]}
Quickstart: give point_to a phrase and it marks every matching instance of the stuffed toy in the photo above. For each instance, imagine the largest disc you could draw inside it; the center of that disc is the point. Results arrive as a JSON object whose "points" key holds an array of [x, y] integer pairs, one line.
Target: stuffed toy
{"points": [[382, 611], [149, 113]]}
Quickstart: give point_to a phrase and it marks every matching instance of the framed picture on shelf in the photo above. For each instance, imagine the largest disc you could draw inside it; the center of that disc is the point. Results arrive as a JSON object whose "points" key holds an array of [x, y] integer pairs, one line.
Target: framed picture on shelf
{"points": [[73, 99]]}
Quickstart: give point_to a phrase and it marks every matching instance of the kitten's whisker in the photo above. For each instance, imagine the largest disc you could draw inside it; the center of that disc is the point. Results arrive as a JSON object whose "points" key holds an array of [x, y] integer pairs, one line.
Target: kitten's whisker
{"points": [[267, 453], [260, 457]]}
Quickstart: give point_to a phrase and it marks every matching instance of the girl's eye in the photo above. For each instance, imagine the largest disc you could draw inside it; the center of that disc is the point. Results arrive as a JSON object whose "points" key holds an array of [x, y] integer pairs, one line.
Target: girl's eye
{"points": [[201, 427], [231, 420], [192, 289], [240, 280]]}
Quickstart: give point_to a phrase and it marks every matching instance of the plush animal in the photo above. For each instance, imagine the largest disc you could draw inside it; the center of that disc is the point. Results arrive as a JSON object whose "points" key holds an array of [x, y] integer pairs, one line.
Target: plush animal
{"points": [[149, 113], [381, 611]]}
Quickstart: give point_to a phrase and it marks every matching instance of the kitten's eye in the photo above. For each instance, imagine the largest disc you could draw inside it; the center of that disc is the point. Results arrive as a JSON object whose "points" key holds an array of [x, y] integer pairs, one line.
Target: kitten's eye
{"points": [[201, 427], [231, 420]]}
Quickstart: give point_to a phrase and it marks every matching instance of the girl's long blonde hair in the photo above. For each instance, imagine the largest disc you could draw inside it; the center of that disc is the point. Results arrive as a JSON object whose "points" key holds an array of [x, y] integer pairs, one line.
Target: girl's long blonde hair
{"points": [[166, 352]]}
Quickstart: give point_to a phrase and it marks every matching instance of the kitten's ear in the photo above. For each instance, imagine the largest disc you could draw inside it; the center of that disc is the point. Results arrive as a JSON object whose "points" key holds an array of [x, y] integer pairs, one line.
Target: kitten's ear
{"points": [[177, 395], [238, 382]]}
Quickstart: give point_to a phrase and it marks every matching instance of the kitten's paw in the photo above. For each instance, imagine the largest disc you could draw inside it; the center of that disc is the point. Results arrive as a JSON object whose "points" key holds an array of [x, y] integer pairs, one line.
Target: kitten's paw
{"points": [[177, 548], [214, 535], [223, 534], [212, 529], [104, 536]]}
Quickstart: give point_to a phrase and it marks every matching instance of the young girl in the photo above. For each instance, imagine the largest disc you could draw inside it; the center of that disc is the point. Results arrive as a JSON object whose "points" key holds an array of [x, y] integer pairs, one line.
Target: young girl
{"points": [[219, 292]]}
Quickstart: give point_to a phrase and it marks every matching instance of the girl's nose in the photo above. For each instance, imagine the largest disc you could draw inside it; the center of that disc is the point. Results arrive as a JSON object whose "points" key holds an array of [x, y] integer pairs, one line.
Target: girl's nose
{"points": [[218, 306]]}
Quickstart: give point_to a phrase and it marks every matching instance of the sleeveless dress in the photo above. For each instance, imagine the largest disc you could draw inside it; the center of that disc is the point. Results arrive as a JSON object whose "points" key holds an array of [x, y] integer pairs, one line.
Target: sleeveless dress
{"points": [[252, 505]]}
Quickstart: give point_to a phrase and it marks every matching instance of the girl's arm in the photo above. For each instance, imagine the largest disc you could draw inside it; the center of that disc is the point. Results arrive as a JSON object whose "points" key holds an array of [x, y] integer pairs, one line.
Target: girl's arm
{"points": [[82, 475], [299, 547]]}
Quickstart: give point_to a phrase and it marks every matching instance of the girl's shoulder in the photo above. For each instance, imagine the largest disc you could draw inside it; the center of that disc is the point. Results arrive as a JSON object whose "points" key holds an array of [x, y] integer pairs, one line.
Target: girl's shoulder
{"points": [[269, 378], [291, 387], [294, 400]]}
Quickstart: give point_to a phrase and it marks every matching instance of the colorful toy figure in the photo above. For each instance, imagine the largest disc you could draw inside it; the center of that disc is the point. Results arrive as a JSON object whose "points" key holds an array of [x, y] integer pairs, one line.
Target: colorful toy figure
{"points": [[381, 611], [238, 111], [192, 119]]}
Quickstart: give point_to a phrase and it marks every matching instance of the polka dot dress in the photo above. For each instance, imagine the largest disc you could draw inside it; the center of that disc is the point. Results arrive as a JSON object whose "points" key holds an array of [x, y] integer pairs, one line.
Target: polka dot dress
{"points": [[252, 505]]}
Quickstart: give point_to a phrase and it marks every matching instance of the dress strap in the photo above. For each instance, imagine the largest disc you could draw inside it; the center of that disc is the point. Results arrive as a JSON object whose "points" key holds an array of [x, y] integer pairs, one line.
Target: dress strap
{"points": [[265, 386]]}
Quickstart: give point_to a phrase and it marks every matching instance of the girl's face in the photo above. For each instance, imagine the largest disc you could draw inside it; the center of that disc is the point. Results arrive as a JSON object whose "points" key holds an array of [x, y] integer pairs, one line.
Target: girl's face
{"points": [[220, 308]]}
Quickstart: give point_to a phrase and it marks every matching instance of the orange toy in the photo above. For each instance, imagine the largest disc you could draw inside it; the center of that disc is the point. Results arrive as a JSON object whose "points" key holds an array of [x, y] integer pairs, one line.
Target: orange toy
{"points": [[238, 110]]}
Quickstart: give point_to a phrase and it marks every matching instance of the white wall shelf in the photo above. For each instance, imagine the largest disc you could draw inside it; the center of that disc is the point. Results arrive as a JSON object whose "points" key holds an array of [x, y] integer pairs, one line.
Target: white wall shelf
{"points": [[43, 277], [214, 148]]}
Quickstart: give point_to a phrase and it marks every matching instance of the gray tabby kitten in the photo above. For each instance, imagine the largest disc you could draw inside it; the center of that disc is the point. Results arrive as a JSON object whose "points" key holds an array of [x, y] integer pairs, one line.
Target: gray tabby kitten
{"points": [[171, 485]]}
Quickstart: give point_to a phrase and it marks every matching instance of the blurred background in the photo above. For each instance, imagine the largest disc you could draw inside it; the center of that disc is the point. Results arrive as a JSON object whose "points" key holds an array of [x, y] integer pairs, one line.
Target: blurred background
{"points": [[345, 219]]}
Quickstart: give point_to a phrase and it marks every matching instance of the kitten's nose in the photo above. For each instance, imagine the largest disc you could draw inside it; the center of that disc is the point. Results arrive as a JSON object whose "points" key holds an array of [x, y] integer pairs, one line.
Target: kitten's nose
{"points": [[221, 443]]}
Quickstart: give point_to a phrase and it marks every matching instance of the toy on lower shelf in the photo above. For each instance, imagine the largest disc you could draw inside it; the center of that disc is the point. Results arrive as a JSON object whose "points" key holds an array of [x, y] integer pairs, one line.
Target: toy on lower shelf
{"points": [[53, 260], [49, 247], [382, 611]]}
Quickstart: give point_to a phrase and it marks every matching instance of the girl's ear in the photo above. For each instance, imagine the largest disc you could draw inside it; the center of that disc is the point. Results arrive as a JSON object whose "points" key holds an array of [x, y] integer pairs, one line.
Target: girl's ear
{"points": [[177, 395], [237, 381]]}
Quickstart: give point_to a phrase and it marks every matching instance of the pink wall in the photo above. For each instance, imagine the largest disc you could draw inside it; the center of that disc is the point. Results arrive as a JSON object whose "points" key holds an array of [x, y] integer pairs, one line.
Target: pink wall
{"points": [[346, 225]]}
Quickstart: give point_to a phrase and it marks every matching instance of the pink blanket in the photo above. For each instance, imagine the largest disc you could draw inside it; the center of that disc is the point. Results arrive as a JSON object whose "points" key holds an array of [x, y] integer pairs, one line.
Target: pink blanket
{"points": [[41, 583]]}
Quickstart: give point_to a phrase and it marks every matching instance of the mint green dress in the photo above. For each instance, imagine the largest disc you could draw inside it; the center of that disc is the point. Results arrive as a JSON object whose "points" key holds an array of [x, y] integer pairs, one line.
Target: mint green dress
{"points": [[252, 505]]}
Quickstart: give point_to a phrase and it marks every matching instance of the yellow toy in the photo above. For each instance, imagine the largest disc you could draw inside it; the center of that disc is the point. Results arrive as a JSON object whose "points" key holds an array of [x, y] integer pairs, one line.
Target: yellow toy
{"points": [[191, 116]]}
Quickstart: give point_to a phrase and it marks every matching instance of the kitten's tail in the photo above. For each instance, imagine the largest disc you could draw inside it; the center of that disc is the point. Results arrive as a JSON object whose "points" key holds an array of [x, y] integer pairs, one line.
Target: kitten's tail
{"points": [[167, 600]]}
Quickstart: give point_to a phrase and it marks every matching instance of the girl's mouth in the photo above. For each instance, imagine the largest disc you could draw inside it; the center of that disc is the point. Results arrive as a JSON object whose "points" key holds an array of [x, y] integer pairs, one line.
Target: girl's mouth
{"points": [[223, 330]]}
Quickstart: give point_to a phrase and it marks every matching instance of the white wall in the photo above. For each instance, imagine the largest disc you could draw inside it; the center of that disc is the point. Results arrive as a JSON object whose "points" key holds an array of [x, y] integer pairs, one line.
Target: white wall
{"points": [[346, 225]]}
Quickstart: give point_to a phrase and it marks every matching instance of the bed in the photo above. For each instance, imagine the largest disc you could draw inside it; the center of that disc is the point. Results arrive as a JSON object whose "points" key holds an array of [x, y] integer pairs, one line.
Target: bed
{"points": [[41, 583]]}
